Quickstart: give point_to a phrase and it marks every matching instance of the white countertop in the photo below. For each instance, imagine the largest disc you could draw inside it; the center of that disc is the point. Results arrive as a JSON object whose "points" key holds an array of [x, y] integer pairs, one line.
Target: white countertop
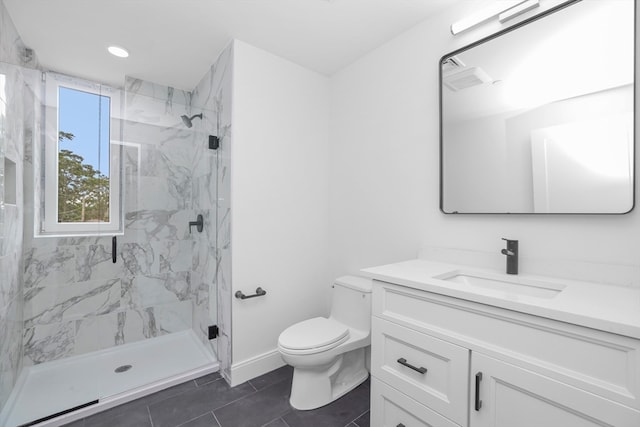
{"points": [[608, 308]]}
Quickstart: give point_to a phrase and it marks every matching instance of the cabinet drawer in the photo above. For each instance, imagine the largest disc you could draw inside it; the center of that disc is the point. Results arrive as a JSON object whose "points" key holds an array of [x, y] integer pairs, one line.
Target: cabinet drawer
{"points": [[430, 370], [390, 408], [603, 363]]}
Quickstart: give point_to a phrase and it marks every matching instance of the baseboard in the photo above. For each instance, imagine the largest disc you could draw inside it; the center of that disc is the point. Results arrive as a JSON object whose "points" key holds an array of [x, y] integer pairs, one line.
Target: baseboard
{"points": [[255, 366]]}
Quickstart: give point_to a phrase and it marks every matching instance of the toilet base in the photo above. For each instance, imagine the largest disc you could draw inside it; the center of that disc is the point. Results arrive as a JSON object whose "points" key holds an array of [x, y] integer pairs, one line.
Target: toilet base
{"points": [[314, 387]]}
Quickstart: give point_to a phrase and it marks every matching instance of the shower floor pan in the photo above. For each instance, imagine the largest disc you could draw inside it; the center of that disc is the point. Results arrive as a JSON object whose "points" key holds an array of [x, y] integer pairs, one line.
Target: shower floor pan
{"points": [[96, 381]]}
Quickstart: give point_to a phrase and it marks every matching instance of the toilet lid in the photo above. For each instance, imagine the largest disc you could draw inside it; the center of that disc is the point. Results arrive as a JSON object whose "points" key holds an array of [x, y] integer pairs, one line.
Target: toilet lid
{"points": [[314, 333]]}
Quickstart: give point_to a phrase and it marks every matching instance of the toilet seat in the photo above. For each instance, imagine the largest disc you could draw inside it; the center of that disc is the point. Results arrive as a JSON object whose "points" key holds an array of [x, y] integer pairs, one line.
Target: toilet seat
{"points": [[313, 336]]}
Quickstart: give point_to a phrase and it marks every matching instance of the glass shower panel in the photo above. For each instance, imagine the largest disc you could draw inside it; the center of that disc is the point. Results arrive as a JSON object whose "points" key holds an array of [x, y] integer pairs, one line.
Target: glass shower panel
{"points": [[95, 329]]}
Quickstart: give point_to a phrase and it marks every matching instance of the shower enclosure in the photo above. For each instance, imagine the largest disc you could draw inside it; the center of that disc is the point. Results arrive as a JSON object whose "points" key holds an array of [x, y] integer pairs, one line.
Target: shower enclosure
{"points": [[94, 318]]}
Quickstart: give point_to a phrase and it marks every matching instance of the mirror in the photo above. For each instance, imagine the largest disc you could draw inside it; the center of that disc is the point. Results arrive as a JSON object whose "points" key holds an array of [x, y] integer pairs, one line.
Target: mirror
{"points": [[539, 118]]}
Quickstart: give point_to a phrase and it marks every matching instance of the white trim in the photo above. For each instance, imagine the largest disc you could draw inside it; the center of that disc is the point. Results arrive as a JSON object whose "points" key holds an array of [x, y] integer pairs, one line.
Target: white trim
{"points": [[255, 366], [48, 220]]}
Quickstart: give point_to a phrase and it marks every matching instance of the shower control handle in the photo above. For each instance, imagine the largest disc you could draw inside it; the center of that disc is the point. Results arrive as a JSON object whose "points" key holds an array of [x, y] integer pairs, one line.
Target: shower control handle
{"points": [[259, 292], [199, 224]]}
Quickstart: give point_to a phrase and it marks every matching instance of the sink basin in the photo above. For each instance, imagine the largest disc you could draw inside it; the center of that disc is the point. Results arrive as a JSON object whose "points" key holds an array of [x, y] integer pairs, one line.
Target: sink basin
{"points": [[511, 286]]}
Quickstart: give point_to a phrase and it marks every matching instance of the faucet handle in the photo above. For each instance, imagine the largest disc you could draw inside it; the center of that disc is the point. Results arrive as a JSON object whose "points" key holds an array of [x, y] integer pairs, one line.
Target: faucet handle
{"points": [[512, 245]]}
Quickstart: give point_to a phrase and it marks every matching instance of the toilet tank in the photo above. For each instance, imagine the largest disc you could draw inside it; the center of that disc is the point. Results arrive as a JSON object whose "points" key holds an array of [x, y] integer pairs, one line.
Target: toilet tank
{"points": [[351, 302]]}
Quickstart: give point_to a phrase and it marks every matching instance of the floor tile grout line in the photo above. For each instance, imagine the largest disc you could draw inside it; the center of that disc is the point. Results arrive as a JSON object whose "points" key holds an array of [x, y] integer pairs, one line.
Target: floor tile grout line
{"points": [[170, 396], [356, 418], [285, 422], [216, 418], [149, 414], [195, 418], [233, 401], [276, 418], [252, 393], [208, 382]]}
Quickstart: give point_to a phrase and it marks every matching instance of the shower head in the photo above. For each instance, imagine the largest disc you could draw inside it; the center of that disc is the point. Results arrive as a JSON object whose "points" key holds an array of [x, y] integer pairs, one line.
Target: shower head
{"points": [[188, 120]]}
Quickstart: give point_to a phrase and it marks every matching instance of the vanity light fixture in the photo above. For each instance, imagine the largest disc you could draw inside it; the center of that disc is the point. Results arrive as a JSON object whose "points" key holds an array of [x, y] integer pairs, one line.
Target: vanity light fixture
{"points": [[518, 10], [118, 51], [503, 9]]}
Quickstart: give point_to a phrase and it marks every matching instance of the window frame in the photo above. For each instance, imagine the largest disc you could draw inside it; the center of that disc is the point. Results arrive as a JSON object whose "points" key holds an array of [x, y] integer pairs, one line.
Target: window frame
{"points": [[49, 224]]}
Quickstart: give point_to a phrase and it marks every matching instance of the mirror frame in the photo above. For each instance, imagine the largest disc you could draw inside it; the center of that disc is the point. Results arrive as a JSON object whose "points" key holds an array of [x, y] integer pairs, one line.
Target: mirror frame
{"points": [[500, 33]]}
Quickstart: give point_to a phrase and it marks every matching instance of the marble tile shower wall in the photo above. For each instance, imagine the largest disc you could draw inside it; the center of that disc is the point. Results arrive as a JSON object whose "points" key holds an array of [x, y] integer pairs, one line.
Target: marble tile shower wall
{"points": [[76, 299], [214, 256], [15, 116]]}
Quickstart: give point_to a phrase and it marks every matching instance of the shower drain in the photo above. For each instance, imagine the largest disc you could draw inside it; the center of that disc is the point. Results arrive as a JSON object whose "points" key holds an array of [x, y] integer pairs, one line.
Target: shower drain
{"points": [[123, 368]]}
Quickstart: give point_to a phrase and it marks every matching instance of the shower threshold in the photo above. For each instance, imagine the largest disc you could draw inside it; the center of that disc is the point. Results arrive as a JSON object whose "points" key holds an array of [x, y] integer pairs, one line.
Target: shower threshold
{"points": [[93, 382]]}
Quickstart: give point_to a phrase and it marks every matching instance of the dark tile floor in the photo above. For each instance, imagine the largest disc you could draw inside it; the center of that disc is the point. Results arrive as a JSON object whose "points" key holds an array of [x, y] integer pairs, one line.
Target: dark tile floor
{"points": [[209, 402]]}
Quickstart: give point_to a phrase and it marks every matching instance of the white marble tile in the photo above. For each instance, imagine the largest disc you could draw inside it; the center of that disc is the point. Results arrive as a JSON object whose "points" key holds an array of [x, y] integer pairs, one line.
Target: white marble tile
{"points": [[149, 225], [137, 258], [83, 299], [10, 288], [95, 333], [96, 262], [46, 263], [176, 194], [148, 291], [172, 255], [173, 317], [10, 353], [44, 343]]}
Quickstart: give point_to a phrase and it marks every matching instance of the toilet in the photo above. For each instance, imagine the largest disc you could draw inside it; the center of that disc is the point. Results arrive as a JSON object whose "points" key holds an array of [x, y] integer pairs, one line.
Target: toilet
{"points": [[328, 354]]}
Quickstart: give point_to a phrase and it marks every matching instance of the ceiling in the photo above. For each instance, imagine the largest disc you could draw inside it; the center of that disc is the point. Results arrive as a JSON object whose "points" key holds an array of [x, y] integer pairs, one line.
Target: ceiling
{"points": [[174, 42]]}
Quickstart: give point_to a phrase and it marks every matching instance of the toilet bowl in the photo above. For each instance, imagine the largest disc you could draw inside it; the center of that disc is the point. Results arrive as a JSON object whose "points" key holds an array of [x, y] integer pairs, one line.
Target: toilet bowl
{"points": [[328, 354]]}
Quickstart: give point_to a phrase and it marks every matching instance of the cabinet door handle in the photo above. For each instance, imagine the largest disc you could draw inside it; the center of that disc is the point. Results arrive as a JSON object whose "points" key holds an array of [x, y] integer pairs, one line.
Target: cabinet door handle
{"points": [[403, 362], [478, 401]]}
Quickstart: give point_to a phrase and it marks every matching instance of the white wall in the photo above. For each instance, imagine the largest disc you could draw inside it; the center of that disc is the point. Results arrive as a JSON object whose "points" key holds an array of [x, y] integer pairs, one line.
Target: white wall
{"points": [[385, 184], [280, 203]]}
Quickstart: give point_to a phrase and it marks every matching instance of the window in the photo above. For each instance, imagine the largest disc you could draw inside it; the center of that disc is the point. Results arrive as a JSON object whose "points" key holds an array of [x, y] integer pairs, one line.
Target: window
{"points": [[81, 158]]}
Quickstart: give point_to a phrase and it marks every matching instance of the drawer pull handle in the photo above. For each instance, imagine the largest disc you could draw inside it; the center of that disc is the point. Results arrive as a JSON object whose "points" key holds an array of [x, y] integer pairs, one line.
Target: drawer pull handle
{"points": [[478, 404], [421, 369]]}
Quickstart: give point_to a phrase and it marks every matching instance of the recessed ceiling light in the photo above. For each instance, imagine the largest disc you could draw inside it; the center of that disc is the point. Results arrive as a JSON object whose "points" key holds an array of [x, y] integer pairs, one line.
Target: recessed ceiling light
{"points": [[120, 52]]}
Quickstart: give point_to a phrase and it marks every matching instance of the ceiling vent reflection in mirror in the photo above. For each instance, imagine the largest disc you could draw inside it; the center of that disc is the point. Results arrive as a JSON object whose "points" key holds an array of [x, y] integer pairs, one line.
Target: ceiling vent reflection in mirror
{"points": [[456, 76]]}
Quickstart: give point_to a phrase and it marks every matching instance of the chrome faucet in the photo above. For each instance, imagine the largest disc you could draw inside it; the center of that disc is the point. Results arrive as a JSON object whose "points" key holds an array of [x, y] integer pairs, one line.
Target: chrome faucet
{"points": [[512, 255]]}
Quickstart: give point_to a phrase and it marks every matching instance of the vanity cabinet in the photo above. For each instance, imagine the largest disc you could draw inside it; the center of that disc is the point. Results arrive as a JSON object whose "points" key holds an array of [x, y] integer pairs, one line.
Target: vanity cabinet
{"points": [[443, 361]]}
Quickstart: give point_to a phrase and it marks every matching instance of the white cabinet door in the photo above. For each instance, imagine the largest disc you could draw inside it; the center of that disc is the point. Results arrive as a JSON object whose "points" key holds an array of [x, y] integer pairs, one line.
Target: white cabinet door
{"points": [[509, 396]]}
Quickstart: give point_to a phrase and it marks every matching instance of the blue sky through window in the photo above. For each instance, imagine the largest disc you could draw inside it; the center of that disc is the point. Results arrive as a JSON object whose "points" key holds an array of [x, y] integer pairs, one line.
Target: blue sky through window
{"points": [[87, 116]]}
